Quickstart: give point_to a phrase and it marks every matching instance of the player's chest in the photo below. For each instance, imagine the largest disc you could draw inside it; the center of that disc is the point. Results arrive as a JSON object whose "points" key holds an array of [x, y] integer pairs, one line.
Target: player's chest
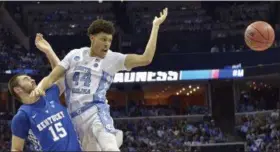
{"points": [[45, 117], [94, 66], [85, 70]]}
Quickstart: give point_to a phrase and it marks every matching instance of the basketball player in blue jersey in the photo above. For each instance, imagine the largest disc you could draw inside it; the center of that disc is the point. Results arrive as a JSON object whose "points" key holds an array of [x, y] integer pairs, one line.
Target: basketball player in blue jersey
{"points": [[41, 119], [89, 72]]}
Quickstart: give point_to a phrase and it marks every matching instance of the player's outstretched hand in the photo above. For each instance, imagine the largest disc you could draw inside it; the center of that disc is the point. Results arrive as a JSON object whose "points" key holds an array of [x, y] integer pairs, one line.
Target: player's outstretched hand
{"points": [[158, 20], [42, 44], [37, 92]]}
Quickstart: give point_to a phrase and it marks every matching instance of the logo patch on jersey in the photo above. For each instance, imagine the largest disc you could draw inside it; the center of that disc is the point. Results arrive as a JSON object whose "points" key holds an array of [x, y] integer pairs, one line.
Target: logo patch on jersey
{"points": [[35, 144], [109, 127], [79, 111], [97, 60], [76, 58], [109, 79], [52, 104], [95, 65], [34, 116]]}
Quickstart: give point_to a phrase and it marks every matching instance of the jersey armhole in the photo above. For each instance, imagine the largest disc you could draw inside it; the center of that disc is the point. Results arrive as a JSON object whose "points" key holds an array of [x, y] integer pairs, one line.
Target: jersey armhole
{"points": [[26, 112]]}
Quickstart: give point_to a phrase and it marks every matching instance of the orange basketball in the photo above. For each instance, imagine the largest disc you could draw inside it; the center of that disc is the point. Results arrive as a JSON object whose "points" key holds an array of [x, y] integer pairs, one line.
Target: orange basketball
{"points": [[259, 36]]}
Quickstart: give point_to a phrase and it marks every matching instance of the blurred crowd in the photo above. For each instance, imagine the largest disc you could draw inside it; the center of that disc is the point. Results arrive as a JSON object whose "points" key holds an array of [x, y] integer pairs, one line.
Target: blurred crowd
{"points": [[258, 96], [15, 57], [220, 30], [167, 134], [261, 133], [5, 131], [219, 27], [161, 110]]}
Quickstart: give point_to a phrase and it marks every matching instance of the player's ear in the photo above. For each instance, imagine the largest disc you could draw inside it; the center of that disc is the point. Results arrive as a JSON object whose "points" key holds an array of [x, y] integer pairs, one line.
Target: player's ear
{"points": [[17, 90], [91, 37]]}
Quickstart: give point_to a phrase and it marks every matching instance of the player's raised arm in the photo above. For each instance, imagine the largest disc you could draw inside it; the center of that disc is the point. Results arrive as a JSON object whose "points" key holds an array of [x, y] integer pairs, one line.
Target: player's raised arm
{"points": [[46, 48], [56, 74], [135, 60]]}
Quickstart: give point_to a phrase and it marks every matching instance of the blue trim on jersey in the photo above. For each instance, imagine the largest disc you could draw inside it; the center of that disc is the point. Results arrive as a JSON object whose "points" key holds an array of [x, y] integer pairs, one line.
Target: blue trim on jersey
{"points": [[67, 91], [84, 108], [104, 84], [100, 96]]}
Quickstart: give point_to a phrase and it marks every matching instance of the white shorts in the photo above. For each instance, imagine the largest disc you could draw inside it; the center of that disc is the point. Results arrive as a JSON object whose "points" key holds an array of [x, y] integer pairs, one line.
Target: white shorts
{"points": [[92, 133]]}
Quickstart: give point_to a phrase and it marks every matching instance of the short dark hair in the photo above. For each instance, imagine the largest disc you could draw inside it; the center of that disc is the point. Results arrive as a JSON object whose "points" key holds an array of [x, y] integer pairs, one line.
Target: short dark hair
{"points": [[13, 82], [99, 26]]}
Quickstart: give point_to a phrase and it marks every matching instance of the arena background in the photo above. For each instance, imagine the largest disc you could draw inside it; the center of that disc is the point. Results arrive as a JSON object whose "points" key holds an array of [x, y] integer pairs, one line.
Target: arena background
{"points": [[205, 90]]}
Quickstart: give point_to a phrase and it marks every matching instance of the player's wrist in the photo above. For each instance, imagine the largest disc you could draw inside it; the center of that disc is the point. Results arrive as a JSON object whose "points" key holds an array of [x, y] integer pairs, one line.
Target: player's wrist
{"points": [[48, 51], [156, 26]]}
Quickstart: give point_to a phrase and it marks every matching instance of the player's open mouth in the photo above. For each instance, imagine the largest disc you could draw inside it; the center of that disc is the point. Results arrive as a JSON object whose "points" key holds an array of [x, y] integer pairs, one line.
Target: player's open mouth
{"points": [[105, 50]]}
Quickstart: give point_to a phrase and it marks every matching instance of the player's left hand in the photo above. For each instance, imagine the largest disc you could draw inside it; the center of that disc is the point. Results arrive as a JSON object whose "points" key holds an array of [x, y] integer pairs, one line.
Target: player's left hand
{"points": [[158, 20], [37, 92], [42, 44]]}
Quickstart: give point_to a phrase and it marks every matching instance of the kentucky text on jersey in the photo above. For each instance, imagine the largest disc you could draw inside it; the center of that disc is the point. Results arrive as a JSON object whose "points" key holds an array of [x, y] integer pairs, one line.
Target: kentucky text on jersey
{"points": [[46, 124], [50, 120]]}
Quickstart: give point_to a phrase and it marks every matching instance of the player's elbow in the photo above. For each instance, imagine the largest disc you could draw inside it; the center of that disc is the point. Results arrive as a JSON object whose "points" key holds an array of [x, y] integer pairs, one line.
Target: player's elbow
{"points": [[147, 62], [133, 61], [49, 79]]}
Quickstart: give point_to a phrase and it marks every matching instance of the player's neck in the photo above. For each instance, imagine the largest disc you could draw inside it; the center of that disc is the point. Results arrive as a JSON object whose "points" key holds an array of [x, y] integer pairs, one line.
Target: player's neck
{"points": [[92, 53], [29, 100]]}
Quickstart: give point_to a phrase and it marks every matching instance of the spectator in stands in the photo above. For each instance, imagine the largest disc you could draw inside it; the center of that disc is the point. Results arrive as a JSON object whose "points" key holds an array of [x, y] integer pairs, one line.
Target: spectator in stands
{"points": [[261, 133], [178, 133]]}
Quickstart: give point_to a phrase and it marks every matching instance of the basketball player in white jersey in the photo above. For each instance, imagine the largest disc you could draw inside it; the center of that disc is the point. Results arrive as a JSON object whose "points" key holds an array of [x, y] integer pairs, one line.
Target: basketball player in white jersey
{"points": [[89, 72]]}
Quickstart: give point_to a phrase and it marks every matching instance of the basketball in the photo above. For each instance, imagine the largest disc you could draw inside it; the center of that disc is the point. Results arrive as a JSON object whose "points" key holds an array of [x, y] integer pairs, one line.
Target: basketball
{"points": [[259, 36]]}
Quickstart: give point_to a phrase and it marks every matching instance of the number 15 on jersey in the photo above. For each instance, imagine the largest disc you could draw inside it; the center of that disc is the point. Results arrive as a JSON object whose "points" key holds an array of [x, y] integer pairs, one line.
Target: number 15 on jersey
{"points": [[57, 131]]}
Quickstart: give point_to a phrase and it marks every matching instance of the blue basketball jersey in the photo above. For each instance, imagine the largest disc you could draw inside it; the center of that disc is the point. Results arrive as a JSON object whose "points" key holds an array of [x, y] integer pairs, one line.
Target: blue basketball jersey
{"points": [[49, 124]]}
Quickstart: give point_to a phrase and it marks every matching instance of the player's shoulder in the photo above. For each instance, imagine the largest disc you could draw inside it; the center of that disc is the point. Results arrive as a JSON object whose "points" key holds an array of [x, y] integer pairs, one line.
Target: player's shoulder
{"points": [[53, 90], [53, 87], [76, 55], [24, 109], [78, 51], [85, 48], [112, 54], [20, 115]]}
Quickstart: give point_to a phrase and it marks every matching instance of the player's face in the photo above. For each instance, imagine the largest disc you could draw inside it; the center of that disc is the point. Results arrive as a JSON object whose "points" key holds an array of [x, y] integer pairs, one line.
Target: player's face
{"points": [[101, 43], [26, 83]]}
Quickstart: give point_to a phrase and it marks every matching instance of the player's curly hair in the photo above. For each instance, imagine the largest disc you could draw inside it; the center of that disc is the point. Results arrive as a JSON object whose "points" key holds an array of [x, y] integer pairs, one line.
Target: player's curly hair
{"points": [[13, 82], [99, 26]]}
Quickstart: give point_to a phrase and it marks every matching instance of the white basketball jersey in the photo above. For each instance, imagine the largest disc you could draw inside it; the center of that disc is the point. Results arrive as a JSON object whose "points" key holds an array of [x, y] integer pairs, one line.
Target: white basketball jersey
{"points": [[88, 78]]}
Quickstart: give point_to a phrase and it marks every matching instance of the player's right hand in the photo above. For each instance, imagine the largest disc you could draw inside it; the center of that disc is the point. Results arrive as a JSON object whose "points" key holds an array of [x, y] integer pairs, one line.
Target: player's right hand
{"points": [[42, 44], [37, 92], [159, 20]]}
